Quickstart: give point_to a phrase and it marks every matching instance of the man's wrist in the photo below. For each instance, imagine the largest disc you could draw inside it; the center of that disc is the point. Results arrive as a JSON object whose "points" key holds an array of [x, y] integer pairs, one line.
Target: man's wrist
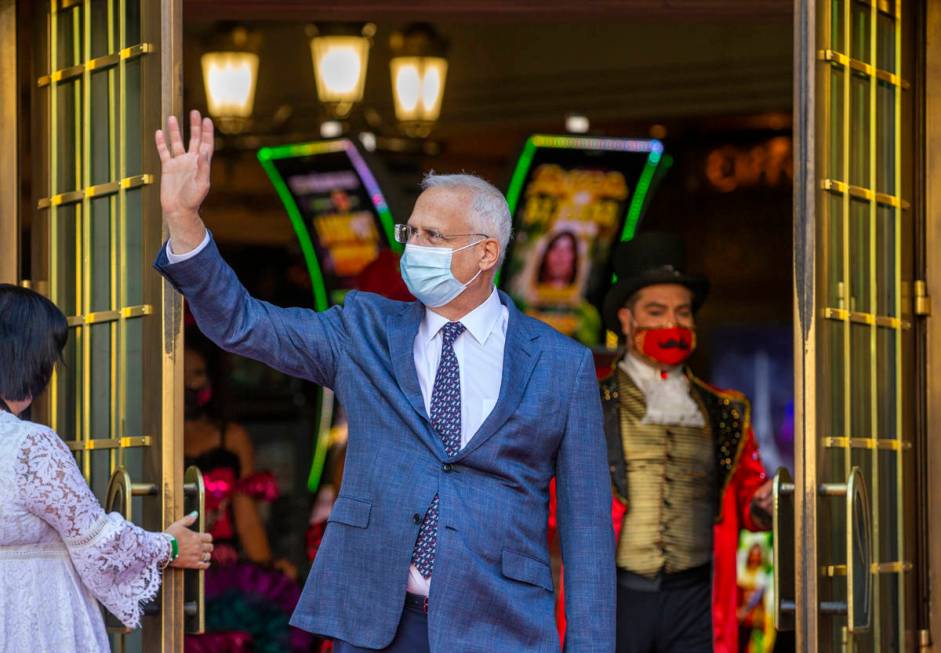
{"points": [[185, 239]]}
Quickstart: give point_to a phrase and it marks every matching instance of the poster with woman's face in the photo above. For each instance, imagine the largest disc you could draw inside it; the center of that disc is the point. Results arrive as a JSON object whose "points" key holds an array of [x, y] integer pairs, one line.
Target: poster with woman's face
{"points": [[570, 212]]}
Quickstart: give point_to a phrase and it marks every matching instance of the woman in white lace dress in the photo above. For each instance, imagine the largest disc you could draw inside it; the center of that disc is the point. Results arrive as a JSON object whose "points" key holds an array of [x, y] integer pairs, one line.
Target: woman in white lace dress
{"points": [[59, 551]]}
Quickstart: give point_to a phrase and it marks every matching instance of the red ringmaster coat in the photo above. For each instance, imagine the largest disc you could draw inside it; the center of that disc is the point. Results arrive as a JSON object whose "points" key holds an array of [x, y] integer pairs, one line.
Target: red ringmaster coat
{"points": [[739, 475]]}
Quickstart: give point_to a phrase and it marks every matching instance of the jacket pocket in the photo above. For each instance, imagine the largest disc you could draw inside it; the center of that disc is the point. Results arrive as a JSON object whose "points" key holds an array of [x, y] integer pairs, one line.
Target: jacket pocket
{"points": [[528, 570], [352, 512]]}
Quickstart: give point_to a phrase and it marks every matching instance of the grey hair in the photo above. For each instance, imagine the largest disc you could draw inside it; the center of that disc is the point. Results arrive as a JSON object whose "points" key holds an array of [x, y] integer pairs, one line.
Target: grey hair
{"points": [[490, 212]]}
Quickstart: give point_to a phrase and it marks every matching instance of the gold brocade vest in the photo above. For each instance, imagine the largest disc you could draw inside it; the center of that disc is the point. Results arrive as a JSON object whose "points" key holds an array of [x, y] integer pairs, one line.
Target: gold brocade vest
{"points": [[671, 482]]}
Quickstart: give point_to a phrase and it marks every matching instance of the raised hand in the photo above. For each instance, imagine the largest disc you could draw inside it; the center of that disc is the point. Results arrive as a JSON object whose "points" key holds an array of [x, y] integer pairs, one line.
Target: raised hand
{"points": [[184, 180]]}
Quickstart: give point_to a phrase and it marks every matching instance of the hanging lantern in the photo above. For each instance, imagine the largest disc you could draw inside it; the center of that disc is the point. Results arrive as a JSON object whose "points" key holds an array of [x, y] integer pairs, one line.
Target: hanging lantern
{"points": [[230, 75], [419, 73], [340, 55]]}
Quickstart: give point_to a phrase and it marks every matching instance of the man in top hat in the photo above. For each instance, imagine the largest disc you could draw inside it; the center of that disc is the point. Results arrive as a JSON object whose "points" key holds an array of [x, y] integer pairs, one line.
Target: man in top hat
{"points": [[684, 462]]}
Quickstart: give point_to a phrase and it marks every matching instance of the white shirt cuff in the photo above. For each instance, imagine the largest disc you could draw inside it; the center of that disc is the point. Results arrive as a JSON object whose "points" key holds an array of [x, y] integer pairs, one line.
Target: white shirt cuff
{"points": [[179, 258]]}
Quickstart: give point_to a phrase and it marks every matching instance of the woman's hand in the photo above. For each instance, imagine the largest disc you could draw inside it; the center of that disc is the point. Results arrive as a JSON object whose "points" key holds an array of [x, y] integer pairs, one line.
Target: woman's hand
{"points": [[195, 548]]}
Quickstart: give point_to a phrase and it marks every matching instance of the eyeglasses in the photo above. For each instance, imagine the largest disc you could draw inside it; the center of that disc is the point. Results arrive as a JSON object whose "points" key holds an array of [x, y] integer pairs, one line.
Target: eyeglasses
{"points": [[405, 233]]}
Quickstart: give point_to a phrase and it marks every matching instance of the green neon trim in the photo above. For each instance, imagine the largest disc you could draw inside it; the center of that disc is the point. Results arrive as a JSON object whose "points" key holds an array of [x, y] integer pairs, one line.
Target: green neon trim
{"points": [[640, 195], [303, 235], [266, 156], [519, 174]]}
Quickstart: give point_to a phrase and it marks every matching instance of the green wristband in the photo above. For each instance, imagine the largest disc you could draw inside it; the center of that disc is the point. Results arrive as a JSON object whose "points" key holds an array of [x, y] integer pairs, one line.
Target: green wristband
{"points": [[174, 547]]}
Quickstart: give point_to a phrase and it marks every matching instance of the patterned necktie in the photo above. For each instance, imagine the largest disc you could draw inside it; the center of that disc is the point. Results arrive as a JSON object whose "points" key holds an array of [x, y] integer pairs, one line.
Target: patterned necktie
{"points": [[446, 421]]}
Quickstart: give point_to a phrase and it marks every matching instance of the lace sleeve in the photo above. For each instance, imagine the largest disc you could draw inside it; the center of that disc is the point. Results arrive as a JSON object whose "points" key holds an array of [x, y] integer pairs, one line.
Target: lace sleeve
{"points": [[119, 562]]}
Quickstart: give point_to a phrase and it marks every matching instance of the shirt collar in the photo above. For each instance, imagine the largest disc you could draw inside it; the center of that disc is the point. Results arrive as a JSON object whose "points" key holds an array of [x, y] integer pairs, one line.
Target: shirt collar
{"points": [[479, 322], [643, 373]]}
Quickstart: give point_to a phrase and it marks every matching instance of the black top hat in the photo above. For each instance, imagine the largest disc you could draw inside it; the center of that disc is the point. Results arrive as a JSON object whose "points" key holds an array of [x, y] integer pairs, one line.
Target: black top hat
{"points": [[649, 259]]}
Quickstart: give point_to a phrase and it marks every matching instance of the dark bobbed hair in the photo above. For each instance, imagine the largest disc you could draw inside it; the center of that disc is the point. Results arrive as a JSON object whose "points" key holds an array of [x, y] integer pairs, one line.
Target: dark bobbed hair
{"points": [[543, 275], [33, 332]]}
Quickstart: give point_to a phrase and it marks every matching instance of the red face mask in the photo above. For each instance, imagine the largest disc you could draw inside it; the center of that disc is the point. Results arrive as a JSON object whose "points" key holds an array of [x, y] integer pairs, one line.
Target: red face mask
{"points": [[666, 346]]}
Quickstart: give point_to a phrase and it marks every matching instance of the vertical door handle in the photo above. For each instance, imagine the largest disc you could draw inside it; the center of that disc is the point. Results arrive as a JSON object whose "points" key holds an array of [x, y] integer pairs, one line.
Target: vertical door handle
{"points": [[118, 498], [858, 606], [194, 580], [783, 551]]}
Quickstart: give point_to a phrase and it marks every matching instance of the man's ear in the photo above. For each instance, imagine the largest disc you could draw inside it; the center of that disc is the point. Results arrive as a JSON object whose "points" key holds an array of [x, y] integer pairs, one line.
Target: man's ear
{"points": [[625, 316], [491, 254]]}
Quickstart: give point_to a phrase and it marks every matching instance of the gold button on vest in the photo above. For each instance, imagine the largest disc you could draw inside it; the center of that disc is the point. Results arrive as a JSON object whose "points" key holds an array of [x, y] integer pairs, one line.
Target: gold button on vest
{"points": [[671, 489]]}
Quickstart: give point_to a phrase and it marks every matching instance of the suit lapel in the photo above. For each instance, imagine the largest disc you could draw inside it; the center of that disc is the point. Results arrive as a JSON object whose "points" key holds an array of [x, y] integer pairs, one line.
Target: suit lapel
{"points": [[402, 329], [519, 360]]}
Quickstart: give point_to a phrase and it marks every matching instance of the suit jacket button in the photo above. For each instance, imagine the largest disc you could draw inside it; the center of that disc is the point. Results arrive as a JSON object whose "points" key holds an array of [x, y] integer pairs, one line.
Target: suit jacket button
{"points": [[447, 467], [416, 518]]}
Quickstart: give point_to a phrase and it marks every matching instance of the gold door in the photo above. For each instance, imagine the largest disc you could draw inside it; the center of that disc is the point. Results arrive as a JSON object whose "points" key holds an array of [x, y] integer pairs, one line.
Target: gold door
{"points": [[851, 584], [106, 73]]}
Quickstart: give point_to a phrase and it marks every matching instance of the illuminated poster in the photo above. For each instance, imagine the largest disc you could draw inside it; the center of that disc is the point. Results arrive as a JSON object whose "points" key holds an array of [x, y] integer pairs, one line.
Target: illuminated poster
{"points": [[340, 216], [572, 199]]}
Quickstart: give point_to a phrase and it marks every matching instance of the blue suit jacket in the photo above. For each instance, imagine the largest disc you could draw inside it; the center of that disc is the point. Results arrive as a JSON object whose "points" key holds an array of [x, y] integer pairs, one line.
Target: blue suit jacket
{"points": [[492, 586]]}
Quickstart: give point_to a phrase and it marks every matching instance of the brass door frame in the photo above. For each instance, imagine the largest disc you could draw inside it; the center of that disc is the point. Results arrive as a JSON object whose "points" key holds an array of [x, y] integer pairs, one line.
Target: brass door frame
{"points": [[932, 212], [805, 337], [9, 172]]}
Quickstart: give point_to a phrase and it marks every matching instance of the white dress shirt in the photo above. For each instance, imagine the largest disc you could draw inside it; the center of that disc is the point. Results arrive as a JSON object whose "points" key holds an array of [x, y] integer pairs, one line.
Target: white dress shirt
{"points": [[666, 391], [479, 352]]}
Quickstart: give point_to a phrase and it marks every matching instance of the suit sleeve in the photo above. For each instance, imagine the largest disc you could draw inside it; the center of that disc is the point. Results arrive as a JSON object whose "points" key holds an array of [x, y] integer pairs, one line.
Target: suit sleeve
{"points": [[297, 341], [749, 476], [583, 491]]}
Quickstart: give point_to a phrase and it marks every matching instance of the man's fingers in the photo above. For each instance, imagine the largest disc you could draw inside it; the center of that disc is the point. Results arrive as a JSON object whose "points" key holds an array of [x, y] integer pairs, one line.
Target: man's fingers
{"points": [[195, 131], [162, 150], [208, 140], [176, 137]]}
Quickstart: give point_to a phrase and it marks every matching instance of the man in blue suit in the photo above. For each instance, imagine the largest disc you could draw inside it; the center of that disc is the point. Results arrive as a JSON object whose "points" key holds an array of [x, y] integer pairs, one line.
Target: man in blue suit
{"points": [[461, 410]]}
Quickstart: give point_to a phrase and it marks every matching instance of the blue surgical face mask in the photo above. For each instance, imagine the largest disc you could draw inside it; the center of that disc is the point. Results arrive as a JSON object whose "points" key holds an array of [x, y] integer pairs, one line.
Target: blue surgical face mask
{"points": [[427, 273]]}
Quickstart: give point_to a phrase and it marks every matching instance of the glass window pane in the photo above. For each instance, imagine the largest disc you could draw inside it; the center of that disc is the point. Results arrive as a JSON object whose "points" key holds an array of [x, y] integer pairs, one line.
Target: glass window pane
{"points": [[886, 274], [861, 380], [68, 27], [860, 257], [100, 43], [837, 27], [66, 227], [132, 22], [837, 93], [836, 284], [861, 31], [68, 133], [133, 247], [833, 382], [100, 472], [101, 254], [886, 42], [134, 379], [68, 385], [132, 134], [885, 138], [101, 380], [887, 386], [892, 641], [100, 114], [886, 539], [859, 131]]}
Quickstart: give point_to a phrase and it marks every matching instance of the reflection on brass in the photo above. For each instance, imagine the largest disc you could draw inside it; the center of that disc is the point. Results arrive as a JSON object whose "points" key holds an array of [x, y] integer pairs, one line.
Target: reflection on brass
{"points": [[99, 63], [782, 526], [867, 443], [922, 299], [98, 190], [194, 581], [101, 317], [109, 443], [924, 640], [840, 59]]}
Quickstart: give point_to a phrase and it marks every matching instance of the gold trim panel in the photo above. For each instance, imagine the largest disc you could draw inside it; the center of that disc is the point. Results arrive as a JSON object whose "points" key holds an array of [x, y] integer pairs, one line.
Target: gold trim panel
{"points": [[859, 192], [866, 443], [832, 571], [99, 63], [886, 321], [96, 444], [840, 59], [99, 190], [110, 316]]}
